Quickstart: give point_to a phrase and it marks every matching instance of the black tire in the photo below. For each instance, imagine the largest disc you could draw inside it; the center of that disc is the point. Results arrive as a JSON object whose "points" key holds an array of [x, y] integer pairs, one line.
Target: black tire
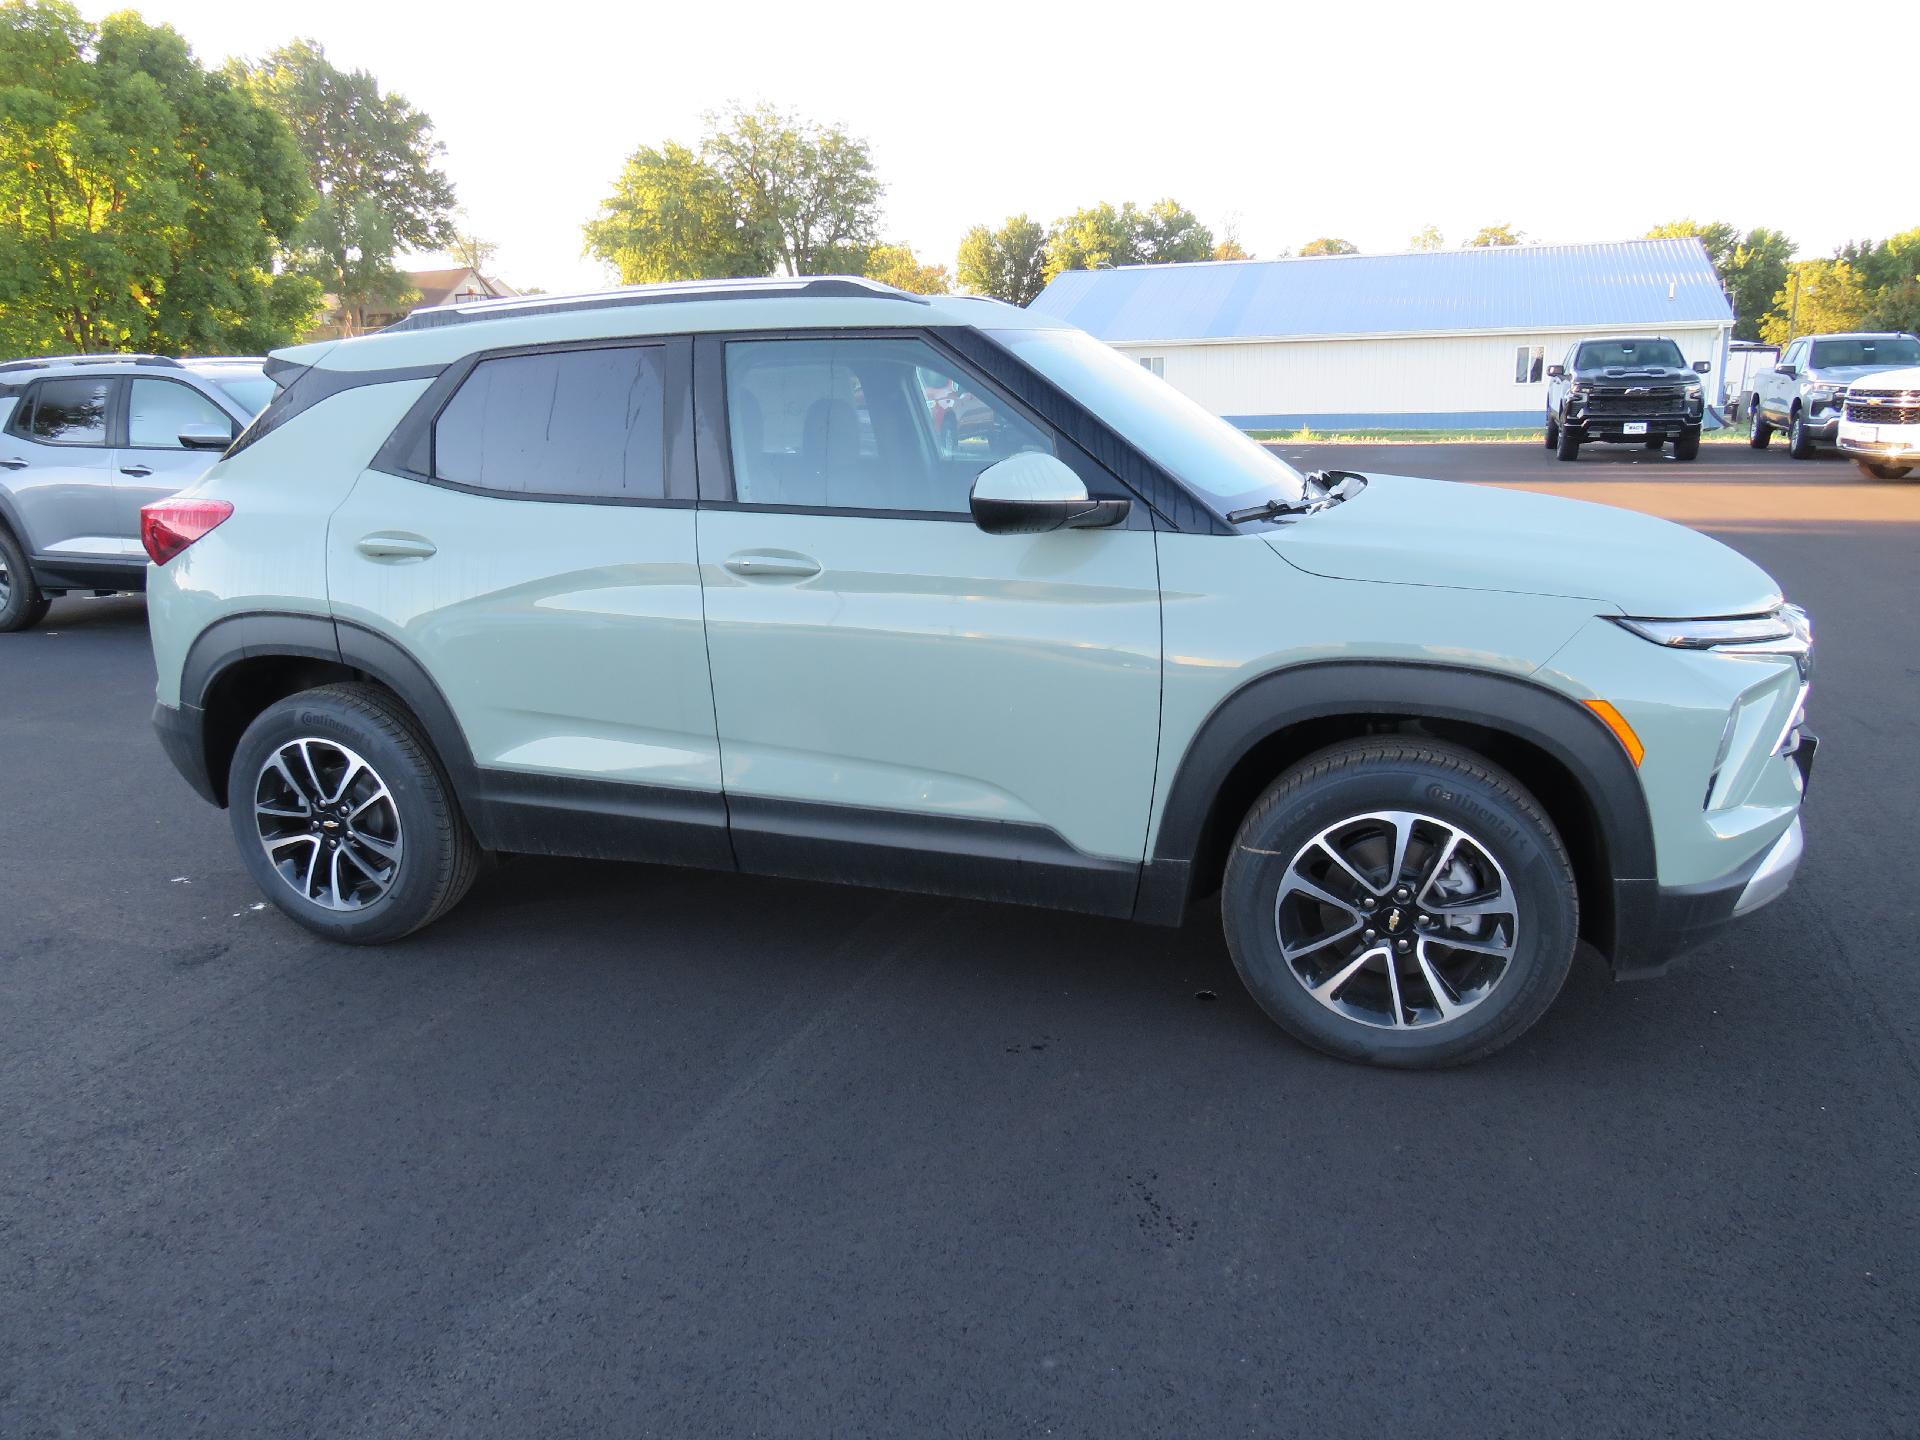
{"points": [[1759, 432], [1686, 445], [1799, 443], [1330, 794], [22, 606], [1553, 432], [1879, 470], [1567, 446], [435, 854]]}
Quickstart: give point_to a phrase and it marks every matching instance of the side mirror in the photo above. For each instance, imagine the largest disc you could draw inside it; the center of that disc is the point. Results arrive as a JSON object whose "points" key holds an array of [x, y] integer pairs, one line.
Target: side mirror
{"points": [[1786, 370], [206, 437], [1556, 372], [1702, 366], [1033, 493]]}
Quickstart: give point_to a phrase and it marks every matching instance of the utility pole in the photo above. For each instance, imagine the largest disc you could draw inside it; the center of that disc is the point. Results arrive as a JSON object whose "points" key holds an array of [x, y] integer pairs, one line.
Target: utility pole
{"points": [[1793, 311]]}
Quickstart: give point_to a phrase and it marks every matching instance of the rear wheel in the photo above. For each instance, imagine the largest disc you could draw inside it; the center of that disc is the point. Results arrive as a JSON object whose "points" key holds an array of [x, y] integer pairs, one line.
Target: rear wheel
{"points": [[1400, 902], [1567, 444], [344, 817], [1686, 445], [1759, 432], [22, 606], [1799, 442], [1879, 470]]}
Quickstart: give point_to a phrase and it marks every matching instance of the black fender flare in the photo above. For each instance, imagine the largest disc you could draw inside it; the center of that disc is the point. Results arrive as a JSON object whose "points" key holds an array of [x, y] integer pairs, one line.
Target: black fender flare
{"points": [[1560, 727], [236, 638]]}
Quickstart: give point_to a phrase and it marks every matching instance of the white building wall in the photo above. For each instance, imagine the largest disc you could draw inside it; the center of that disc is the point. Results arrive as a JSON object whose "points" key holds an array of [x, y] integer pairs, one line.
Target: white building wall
{"points": [[1413, 381]]}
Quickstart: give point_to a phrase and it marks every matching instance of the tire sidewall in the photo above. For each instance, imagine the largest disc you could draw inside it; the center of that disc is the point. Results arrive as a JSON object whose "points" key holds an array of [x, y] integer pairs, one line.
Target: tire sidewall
{"points": [[413, 894], [1535, 868], [24, 603]]}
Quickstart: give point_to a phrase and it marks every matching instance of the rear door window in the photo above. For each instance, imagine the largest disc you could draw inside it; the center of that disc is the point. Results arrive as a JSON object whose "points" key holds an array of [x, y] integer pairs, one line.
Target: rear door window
{"points": [[568, 424], [69, 412]]}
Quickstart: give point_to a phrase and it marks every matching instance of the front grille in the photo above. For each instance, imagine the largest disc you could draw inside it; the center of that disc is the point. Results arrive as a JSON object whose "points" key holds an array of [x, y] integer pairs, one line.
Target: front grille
{"points": [[1884, 407], [1657, 402]]}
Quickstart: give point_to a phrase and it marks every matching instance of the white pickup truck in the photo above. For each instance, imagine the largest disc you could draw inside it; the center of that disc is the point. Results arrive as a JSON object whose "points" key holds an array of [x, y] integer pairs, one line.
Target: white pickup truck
{"points": [[1805, 393], [1881, 426]]}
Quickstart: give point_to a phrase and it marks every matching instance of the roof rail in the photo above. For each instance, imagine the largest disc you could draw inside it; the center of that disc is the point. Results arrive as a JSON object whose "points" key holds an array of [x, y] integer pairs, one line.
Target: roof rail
{"points": [[676, 293], [45, 362]]}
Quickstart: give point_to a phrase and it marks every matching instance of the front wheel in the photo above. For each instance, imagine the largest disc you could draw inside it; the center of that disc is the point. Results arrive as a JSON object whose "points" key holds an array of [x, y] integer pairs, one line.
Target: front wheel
{"points": [[344, 817], [1759, 432], [1553, 432], [1799, 442], [1686, 445], [1880, 470], [1400, 902], [1567, 445], [22, 606]]}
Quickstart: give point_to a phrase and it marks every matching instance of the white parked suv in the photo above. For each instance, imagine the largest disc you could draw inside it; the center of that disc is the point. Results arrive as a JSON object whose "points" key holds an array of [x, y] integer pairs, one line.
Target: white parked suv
{"points": [[1881, 426]]}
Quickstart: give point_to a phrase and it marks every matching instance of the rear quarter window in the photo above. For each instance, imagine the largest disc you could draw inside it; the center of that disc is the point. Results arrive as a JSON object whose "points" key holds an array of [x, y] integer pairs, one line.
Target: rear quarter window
{"points": [[571, 424]]}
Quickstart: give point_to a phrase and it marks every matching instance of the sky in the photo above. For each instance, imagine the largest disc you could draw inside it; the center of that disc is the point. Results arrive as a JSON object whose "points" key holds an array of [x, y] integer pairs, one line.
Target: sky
{"points": [[1358, 120]]}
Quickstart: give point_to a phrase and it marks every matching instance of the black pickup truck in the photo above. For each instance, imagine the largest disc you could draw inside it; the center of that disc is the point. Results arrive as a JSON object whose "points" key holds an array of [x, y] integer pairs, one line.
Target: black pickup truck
{"points": [[1634, 391]]}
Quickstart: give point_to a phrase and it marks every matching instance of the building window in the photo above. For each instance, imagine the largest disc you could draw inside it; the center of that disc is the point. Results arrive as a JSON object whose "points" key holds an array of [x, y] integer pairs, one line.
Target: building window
{"points": [[1156, 363], [1529, 364]]}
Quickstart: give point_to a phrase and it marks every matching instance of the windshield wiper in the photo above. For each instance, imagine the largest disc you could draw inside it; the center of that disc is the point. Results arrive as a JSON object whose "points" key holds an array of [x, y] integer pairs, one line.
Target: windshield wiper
{"points": [[1321, 489]]}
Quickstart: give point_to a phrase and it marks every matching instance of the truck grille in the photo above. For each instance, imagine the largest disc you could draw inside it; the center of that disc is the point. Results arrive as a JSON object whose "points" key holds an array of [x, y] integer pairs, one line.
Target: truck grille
{"points": [[1884, 407], [1655, 402]]}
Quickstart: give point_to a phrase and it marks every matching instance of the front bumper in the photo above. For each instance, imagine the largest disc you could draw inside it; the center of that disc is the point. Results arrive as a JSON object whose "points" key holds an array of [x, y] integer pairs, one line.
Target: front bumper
{"points": [[182, 731], [1656, 924], [1895, 444], [1614, 427], [1823, 426]]}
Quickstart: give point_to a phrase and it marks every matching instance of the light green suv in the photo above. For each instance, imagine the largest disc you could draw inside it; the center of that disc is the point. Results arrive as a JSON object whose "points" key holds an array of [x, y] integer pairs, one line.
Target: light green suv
{"points": [[817, 578]]}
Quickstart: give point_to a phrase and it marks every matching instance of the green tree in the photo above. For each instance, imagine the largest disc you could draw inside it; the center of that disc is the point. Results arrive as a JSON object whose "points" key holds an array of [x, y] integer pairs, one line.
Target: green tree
{"points": [[897, 265], [1491, 235], [1894, 307], [1228, 247], [372, 159], [1009, 263], [1327, 245], [468, 249], [1428, 238], [143, 201], [1104, 235], [1718, 238], [1751, 268], [1820, 296], [808, 191], [1755, 273], [672, 217]]}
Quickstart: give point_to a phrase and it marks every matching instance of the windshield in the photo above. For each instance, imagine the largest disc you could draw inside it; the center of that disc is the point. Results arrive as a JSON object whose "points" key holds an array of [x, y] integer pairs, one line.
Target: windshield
{"points": [[246, 385], [1228, 469], [1629, 355], [1866, 350]]}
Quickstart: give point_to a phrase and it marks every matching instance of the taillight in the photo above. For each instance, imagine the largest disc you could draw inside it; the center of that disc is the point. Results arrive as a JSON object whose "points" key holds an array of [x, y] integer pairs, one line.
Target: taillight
{"points": [[169, 526]]}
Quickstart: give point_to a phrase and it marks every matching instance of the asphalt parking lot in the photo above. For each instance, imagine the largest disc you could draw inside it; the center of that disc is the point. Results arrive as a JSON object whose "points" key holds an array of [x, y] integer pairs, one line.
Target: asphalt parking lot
{"points": [[633, 1151]]}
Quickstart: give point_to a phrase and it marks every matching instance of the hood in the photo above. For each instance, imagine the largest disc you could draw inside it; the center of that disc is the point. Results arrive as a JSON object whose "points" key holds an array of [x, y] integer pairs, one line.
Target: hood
{"points": [[1906, 378], [1403, 531], [1636, 375], [1848, 374]]}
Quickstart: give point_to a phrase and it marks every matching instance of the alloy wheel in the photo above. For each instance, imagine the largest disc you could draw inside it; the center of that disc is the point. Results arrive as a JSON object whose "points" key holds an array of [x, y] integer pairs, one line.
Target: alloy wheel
{"points": [[1397, 920], [328, 823], [6, 581]]}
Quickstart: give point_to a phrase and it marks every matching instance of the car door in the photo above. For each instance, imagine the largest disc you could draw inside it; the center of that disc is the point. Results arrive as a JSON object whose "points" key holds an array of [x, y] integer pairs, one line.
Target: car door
{"points": [[900, 697], [55, 458], [151, 463], [1776, 388], [527, 538]]}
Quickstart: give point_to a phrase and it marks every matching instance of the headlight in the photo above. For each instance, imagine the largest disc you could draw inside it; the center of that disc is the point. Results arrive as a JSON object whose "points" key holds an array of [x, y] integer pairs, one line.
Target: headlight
{"points": [[1711, 634], [1693, 391], [1821, 394]]}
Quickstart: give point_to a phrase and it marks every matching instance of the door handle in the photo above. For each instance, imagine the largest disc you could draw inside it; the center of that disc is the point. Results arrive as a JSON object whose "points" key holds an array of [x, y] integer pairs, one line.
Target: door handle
{"points": [[14, 463], [754, 565], [396, 547], [135, 470]]}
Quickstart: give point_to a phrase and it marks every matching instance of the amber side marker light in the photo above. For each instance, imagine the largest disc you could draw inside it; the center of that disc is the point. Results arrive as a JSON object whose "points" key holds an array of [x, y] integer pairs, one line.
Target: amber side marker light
{"points": [[1623, 732]]}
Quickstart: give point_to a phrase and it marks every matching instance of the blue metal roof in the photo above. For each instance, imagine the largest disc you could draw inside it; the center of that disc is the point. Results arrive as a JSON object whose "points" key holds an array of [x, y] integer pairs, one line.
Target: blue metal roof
{"points": [[1516, 287]]}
